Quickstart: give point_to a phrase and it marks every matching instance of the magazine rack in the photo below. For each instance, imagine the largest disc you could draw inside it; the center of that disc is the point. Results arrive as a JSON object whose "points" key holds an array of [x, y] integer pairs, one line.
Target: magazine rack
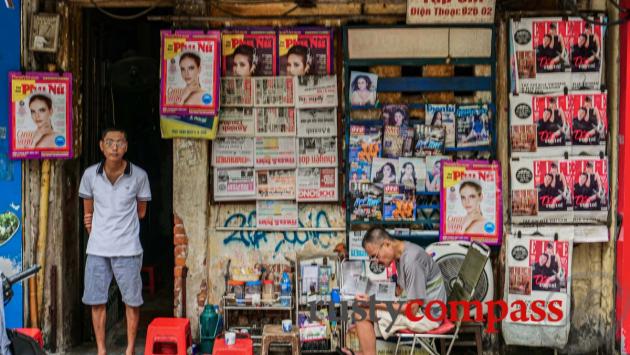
{"points": [[412, 52]]}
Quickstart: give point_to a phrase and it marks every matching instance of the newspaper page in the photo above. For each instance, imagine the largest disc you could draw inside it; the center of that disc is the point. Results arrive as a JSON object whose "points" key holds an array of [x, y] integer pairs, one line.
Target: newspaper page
{"points": [[318, 152], [40, 122], [582, 233], [317, 184], [473, 125], [412, 173], [588, 114], [234, 184], [275, 152], [236, 122], [470, 201], [275, 184], [315, 91], [589, 184], [237, 92], [280, 215], [190, 73], [320, 122], [540, 191], [306, 51], [233, 152], [275, 122], [249, 52], [540, 125], [442, 115], [539, 269], [274, 91]]}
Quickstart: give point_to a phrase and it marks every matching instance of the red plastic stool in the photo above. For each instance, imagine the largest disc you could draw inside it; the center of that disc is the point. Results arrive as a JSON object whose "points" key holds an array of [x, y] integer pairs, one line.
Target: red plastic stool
{"points": [[34, 333], [168, 336], [243, 346], [150, 286]]}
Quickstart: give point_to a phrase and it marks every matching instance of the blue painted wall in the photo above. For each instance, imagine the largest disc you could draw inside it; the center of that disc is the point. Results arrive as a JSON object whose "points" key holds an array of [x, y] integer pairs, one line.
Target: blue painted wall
{"points": [[10, 171]]}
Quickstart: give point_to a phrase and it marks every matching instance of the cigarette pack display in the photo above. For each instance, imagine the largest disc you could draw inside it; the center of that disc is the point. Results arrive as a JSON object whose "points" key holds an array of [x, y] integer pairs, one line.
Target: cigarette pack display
{"points": [[306, 51], [249, 52], [190, 73]]}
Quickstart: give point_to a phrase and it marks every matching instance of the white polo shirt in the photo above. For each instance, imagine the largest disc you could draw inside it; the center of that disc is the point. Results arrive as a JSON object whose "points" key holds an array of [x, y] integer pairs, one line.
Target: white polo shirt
{"points": [[115, 223]]}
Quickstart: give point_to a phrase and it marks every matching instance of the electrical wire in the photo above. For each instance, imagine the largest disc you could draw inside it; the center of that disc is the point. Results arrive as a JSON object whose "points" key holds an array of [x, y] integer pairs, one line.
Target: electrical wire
{"points": [[123, 17], [573, 10]]}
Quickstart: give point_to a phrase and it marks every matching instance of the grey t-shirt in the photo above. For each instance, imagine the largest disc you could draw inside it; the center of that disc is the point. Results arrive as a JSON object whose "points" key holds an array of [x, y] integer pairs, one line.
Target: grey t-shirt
{"points": [[420, 277]]}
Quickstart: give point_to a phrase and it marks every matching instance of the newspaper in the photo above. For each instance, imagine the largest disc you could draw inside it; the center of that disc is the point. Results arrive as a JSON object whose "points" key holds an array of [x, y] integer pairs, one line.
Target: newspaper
{"points": [[470, 202], [317, 184], [274, 91], [442, 115], [316, 91], [40, 121], [234, 184], [320, 122], [249, 52], [275, 122], [306, 51], [275, 184], [473, 125], [318, 152], [275, 153], [279, 215], [233, 152], [236, 92], [236, 122], [190, 73]]}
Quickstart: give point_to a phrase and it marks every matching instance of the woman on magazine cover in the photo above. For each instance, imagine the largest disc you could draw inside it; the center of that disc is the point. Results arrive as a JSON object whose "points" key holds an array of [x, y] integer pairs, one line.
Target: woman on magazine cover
{"points": [[433, 178], [190, 67], [362, 93], [471, 195], [437, 119], [299, 61], [386, 174], [244, 61], [408, 178], [41, 114]]}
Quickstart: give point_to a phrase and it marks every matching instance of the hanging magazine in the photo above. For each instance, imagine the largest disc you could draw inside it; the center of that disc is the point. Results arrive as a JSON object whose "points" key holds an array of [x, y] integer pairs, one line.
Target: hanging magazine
{"points": [[434, 172], [274, 91], [317, 184], [234, 184], [398, 141], [470, 202], [275, 122], [473, 125], [315, 91], [249, 52], [365, 143], [237, 92], [429, 140], [589, 184], [306, 51], [280, 215], [396, 115], [412, 173], [359, 173], [442, 115], [318, 122], [588, 116], [367, 202], [275, 184], [383, 171], [236, 122], [399, 204], [233, 152], [190, 73], [275, 152], [318, 152]]}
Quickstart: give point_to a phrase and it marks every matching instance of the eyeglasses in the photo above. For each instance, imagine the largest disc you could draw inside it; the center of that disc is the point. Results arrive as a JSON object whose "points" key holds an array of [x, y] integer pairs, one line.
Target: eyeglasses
{"points": [[374, 258], [118, 144]]}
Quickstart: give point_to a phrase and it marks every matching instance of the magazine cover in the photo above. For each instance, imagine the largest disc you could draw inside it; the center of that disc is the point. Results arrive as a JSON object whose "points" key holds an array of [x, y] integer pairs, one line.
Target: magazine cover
{"points": [[315, 91], [249, 52], [275, 153], [399, 204], [442, 115], [540, 125], [275, 122], [433, 180], [412, 174], [234, 184], [589, 122], [275, 184], [359, 174], [237, 92], [194, 127], [589, 183], [384, 171], [236, 122], [429, 140], [317, 184], [319, 122], [586, 56], [398, 141], [365, 142], [279, 215], [273, 91], [233, 152], [396, 115], [190, 73], [306, 51], [470, 201], [318, 152], [367, 203], [40, 122], [473, 125], [539, 268], [541, 191], [363, 88]]}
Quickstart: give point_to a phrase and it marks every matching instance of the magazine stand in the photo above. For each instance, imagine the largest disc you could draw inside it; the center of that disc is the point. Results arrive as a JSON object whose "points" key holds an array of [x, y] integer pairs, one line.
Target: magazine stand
{"points": [[406, 58]]}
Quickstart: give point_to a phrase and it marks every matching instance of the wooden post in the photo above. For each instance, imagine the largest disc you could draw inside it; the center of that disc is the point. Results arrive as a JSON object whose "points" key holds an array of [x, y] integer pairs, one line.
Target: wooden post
{"points": [[43, 231]]}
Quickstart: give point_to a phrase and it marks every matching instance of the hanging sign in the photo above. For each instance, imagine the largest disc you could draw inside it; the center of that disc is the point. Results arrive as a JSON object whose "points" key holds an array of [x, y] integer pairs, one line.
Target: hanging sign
{"points": [[450, 11]]}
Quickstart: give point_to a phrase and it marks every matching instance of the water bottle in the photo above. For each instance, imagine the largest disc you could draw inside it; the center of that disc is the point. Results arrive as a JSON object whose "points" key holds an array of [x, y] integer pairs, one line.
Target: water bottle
{"points": [[208, 328], [285, 290]]}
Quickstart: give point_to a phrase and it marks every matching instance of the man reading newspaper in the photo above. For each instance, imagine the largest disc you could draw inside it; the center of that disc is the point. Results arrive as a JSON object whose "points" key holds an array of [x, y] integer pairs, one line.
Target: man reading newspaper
{"points": [[419, 277]]}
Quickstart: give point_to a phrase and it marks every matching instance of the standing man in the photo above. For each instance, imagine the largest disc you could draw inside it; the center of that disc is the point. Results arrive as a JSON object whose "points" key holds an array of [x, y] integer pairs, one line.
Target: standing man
{"points": [[115, 193]]}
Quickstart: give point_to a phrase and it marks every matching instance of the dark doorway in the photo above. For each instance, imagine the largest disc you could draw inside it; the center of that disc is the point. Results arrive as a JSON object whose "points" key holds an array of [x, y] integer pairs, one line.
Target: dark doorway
{"points": [[121, 88]]}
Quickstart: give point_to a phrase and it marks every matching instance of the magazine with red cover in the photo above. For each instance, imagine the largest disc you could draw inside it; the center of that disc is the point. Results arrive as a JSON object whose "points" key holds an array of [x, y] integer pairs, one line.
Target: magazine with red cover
{"points": [[249, 52], [305, 51]]}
